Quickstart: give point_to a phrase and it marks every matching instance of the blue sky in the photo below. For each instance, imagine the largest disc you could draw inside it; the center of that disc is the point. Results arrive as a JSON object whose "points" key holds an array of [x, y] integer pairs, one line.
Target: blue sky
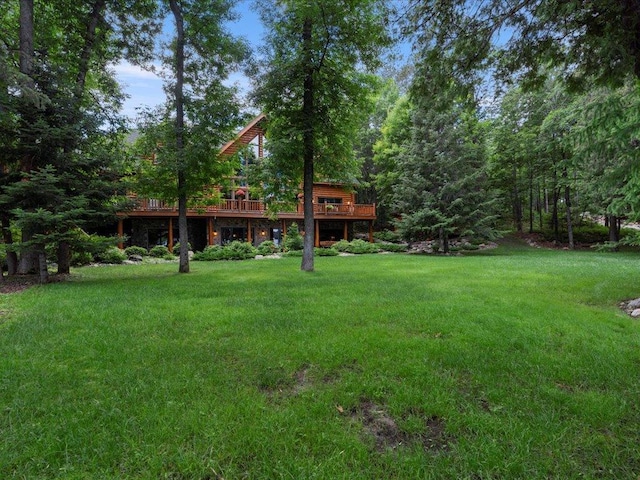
{"points": [[145, 88]]}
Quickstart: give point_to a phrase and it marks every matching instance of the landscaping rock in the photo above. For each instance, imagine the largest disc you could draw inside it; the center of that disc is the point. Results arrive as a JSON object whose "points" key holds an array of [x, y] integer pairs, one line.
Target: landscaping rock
{"points": [[635, 313], [634, 304]]}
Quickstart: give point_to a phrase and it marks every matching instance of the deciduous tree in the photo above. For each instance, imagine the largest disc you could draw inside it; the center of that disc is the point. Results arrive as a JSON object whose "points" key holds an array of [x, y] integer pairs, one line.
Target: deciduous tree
{"points": [[315, 91]]}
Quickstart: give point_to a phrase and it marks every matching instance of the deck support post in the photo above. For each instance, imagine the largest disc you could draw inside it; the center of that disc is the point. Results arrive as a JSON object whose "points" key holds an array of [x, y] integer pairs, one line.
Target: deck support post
{"points": [[120, 233], [170, 235], [209, 231], [370, 231], [345, 235], [316, 240], [249, 236]]}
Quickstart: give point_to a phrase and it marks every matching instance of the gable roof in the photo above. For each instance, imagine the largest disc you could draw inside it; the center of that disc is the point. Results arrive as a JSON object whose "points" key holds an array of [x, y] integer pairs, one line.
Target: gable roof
{"points": [[244, 137]]}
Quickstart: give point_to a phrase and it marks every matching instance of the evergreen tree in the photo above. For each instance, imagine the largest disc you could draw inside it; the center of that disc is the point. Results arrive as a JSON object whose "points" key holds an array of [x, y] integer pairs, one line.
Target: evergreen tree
{"points": [[441, 191], [59, 96]]}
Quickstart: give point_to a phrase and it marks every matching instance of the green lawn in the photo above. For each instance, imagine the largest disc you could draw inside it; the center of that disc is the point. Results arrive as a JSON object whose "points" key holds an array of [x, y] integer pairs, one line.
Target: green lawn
{"points": [[511, 363]]}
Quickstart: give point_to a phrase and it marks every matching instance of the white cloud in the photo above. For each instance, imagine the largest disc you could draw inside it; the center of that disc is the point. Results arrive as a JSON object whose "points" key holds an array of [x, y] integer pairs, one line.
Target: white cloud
{"points": [[128, 71]]}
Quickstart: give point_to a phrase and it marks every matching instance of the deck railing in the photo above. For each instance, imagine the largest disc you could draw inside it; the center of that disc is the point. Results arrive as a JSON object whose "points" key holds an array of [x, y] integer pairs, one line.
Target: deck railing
{"points": [[256, 207]]}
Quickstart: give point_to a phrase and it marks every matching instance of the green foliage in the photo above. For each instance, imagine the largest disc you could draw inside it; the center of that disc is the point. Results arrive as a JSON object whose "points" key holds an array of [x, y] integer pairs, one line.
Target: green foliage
{"points": [[210, 253], [112, 255], [135, 250], [606, 247], [235, 250], [159, 251], [238, 250], [79, 259], [176, 248], [356, 246], [293, 240], [393, 247], [387, 236], [268, 247], [341, 245]]}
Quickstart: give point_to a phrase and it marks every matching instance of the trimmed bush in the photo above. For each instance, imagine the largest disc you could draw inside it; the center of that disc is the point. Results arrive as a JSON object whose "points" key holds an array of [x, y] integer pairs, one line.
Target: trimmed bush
{"points": [[237, 250], [267, 248], [112, 255], [159, 251], [210, 253], [135, 250], [362, 247], [341, 246]]}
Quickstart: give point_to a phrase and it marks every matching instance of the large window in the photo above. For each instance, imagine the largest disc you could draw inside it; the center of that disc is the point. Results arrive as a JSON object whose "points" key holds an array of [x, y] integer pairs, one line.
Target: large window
{"points": [[333, 200], [229, 234]]}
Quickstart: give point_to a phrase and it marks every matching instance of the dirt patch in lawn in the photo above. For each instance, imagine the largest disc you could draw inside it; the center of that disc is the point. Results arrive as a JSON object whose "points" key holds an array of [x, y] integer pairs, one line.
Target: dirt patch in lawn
{"points": [[388, 435]]}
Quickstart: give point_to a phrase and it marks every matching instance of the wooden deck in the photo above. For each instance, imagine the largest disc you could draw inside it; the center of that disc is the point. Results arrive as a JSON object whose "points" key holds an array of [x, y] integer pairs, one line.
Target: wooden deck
{"points": [[147, 207]]}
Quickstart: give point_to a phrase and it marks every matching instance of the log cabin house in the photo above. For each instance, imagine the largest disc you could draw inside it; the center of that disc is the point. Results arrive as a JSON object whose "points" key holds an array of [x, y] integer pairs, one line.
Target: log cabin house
{"points": [[239, 217]]}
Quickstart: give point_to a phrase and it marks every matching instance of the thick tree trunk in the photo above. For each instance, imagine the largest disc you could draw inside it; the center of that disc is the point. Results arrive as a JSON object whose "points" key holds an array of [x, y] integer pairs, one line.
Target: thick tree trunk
{"points": [[42, 265], [614, 231], [64, 258], [308, 150], [183, 232], [29, 256]]}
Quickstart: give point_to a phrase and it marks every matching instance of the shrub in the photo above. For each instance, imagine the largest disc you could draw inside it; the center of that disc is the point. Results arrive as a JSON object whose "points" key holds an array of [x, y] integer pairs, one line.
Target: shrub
{"points": [[176, 248], [293, 240], [159, 251], [341, 246], [393, 247], [210, 253], [112, 255], [606, 247], [237, 250], [135, 250], [267, 248], [361, 247], [81, 258], [387, 236]]}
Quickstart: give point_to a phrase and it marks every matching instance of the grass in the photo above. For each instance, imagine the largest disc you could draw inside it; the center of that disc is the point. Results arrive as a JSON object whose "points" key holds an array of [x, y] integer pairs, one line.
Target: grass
{"points": [[513, 363]]}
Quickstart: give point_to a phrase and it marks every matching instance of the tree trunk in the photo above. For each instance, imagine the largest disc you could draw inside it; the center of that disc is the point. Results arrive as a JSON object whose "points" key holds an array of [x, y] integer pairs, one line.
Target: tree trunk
{"points": [[308, 150], [7, 238], [567, 201], [614, 232], [42, 265], [555, 223], [567, 191], [444, 241], [517, 202], [64, 258], [183, 232], [531, 200], [29, 256]]}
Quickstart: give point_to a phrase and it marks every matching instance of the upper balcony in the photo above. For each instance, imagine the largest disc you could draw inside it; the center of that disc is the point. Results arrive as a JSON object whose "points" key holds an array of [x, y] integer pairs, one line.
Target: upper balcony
{"points": [[252, 209]]}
